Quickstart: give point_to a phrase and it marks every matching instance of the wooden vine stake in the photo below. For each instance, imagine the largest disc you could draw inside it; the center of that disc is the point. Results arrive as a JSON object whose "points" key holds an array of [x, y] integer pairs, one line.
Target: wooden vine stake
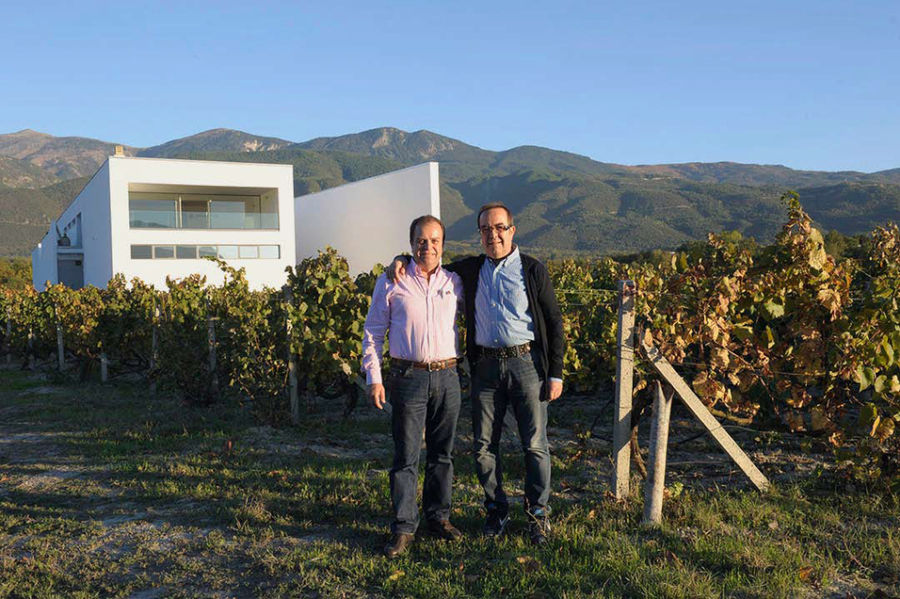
{"points": [[292, 362], [656, 473], [211, 341], [154, 347], [693, 403], [624, 388], [60, 348], [31, 359], [8, 337]]}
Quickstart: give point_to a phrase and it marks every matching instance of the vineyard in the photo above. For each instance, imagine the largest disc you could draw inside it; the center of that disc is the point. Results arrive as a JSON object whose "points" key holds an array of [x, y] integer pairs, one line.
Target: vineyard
{"points": [[783, 336]]}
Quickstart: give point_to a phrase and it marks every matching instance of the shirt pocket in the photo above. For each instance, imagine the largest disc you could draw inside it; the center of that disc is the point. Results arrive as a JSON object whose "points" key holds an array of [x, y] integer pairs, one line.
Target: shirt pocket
{"points": [[513, 297]]}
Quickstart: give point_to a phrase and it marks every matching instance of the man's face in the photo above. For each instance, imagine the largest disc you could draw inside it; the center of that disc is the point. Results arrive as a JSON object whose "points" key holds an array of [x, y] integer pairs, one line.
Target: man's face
{"points": [[427, 246], [496, 241]]}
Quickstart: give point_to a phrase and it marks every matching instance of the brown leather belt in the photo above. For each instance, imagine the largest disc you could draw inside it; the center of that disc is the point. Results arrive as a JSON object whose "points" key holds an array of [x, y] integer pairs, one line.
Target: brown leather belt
{"points": [[513, 351], [429, 366]]}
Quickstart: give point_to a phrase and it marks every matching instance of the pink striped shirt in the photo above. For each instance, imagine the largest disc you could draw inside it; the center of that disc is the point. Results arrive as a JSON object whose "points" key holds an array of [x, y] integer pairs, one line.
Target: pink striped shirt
{"points": [[419, 316]]}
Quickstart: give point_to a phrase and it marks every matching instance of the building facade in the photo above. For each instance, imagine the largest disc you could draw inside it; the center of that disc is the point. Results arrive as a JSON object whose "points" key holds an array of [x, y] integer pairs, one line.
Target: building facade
{"points": [[155, 218]]}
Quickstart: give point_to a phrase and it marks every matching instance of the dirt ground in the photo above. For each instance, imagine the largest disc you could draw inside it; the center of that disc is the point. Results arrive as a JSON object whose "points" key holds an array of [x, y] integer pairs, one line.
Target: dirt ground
{"points": [[142, 547]]}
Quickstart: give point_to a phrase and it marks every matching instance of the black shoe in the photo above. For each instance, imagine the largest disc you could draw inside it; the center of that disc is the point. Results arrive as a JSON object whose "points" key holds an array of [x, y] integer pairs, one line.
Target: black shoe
{"points": [[442, 529], [495, 523], [538, 527], [399, 543]]}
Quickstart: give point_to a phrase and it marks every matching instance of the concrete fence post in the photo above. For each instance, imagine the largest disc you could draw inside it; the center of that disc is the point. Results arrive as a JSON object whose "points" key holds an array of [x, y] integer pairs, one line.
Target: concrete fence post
{"points": [[696, 407], [624, 388], [659, 440]]}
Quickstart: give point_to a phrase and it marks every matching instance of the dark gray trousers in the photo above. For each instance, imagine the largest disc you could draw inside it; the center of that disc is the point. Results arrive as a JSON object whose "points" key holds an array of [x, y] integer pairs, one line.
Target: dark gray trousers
{"points": [[499, 384], [429, 401]]}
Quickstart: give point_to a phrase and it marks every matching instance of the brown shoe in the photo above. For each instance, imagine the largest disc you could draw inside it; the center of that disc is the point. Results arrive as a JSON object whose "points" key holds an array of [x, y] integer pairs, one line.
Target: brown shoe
{"points": [[442, 529], [399, 543]]}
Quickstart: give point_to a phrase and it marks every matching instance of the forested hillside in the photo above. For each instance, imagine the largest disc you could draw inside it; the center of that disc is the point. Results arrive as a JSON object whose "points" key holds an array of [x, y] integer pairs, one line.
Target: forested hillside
{"points": [[564, 203]]}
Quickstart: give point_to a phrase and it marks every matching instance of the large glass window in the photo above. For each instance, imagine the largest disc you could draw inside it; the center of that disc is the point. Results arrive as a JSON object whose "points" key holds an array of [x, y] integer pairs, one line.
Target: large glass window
{"points": [[194, 214], [193, 252], [153, 210], [268, 210], [203, 211], [233, 212]]}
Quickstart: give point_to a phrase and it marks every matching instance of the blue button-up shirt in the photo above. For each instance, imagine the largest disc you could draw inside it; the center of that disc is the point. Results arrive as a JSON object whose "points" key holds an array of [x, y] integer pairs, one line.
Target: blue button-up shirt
{"points": [[502, 317]]}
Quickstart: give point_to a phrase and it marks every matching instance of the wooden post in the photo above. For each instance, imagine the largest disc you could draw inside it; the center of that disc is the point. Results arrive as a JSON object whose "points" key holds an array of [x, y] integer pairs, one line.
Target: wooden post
{"points": [[104, 368], [154, 345], [292, 362], [60, 349], [693, 403], [8, 336], [624, 387], [659, 440], [30, 348], [211, 337]]}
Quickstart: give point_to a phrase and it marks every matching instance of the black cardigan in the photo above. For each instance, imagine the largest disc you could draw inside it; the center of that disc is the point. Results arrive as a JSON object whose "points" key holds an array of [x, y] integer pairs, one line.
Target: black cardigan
{"points": [[548, 324]]}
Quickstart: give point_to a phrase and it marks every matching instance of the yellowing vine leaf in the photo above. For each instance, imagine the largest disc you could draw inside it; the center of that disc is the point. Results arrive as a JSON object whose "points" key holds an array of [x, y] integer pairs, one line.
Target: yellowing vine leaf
{"points": [[773, 309], [831, 299], [818, 258], [719, 358]]}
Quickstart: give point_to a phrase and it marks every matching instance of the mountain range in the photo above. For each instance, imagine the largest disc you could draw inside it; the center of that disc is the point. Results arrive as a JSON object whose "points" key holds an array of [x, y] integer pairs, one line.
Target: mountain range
{"points": [[564, 203]]}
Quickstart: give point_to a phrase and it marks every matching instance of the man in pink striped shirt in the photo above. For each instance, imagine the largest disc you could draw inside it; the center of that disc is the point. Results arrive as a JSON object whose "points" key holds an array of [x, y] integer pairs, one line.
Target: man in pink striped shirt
{"points": [[418, 313]]}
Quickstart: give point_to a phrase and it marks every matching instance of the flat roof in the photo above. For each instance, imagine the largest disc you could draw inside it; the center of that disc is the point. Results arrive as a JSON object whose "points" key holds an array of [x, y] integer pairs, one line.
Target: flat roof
{"points": [[232, 162], [151, 158]]}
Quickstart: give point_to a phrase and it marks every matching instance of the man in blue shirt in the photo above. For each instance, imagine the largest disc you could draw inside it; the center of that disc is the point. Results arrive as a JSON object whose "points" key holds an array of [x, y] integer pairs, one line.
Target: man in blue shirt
{"points": [[515, 345]]}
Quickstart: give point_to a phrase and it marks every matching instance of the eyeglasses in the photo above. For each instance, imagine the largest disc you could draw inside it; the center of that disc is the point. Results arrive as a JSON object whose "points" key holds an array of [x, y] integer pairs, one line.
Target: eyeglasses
{"points": [[498, 229]]}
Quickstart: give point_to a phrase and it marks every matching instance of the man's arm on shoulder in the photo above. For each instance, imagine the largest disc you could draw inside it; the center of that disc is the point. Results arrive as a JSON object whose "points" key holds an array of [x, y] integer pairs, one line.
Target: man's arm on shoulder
{"points": [[461, 265], [397, 267]]}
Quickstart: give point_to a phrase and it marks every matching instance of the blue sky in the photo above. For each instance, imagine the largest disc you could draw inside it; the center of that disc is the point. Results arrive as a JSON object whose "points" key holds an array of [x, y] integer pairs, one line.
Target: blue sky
{"points": [[811, 84]]}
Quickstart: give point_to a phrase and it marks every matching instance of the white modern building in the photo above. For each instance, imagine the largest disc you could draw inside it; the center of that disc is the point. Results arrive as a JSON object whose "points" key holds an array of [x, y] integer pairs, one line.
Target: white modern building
{"points": [[367, 221], [155, 218]]}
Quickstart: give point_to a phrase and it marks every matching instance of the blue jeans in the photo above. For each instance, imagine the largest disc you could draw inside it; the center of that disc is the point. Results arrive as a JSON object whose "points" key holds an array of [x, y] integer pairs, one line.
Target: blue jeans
{"points": [[430, 401], [498, 384]]}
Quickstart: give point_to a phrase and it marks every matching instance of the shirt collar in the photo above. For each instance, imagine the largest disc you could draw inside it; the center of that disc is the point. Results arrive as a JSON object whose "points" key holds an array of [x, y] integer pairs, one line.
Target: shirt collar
{"points": [[417, 272], [510, 258]]}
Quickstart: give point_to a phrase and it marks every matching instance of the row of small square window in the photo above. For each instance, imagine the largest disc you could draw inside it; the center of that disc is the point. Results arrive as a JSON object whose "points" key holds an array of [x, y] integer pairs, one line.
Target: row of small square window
{"points": [[194, 252]]}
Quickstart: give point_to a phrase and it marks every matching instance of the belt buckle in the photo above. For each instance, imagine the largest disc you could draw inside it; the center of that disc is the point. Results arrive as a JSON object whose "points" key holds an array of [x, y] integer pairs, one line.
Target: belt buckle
{"points": [[430, 366]]}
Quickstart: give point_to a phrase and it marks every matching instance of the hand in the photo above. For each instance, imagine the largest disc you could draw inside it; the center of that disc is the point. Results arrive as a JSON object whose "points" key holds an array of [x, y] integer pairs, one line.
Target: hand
{"points": [[396, 269], [555, 390], [376, 395]]}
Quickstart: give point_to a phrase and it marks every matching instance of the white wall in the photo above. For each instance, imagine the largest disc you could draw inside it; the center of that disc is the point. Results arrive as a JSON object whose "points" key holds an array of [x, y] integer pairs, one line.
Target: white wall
{"points": [[43, 260], [367, 221], [260, 272], [93, 205]]}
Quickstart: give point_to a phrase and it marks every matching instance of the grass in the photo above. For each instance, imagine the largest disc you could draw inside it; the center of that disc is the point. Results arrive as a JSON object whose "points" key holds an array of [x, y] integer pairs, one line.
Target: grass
{"points": [[105, 491]]}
